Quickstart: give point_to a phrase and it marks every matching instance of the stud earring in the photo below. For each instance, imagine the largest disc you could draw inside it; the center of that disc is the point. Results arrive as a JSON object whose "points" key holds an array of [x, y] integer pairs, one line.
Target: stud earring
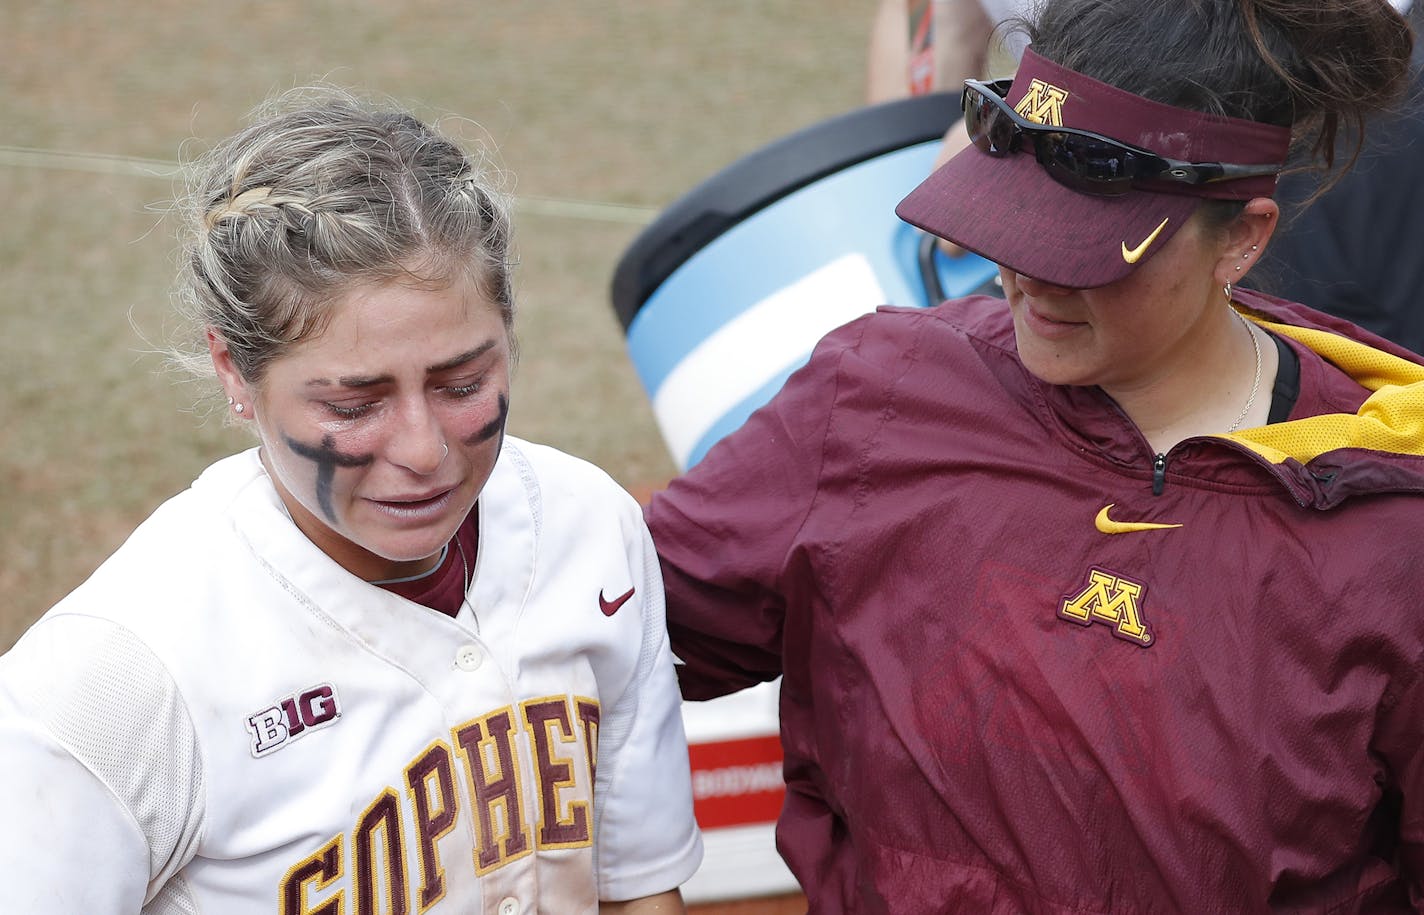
{"points": [[238, 408]]}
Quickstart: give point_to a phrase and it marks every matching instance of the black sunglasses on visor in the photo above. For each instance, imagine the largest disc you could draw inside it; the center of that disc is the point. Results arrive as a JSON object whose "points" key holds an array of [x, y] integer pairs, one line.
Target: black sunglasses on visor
{"points": [[1080, 159]]}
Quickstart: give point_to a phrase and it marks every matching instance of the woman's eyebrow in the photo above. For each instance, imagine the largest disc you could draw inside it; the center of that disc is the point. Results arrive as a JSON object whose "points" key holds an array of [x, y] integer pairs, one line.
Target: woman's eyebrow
{"points": [[461, 359], [367, 381]]}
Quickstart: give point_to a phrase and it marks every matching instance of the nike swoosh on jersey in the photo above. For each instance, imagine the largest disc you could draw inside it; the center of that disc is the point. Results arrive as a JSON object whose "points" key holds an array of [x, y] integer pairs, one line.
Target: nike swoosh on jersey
{"points": [[1106, 525], [1133, 255], [610, 607]]}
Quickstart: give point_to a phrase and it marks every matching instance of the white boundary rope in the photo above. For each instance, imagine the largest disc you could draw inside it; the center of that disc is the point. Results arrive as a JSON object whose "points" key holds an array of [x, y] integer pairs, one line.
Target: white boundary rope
{"points": [[96, 163], [134, 167]]}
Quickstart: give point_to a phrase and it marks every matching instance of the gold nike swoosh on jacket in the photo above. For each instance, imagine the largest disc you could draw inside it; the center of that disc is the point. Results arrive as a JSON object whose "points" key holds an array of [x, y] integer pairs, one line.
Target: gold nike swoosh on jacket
{"points": [[1107, 525]]}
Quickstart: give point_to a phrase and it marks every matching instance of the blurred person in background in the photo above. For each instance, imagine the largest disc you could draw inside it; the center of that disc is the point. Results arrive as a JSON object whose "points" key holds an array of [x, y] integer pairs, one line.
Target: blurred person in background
{"points": [[922, 46]]}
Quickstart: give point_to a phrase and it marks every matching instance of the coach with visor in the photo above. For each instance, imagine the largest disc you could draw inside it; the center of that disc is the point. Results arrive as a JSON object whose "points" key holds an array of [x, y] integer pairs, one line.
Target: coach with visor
{"points": [[1098, 597]]}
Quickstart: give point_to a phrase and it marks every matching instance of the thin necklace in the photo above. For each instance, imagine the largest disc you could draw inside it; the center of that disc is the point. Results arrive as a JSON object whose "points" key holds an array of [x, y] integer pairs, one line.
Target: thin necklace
{"points": [[465, 592], [444, 551], [1255, 382]]}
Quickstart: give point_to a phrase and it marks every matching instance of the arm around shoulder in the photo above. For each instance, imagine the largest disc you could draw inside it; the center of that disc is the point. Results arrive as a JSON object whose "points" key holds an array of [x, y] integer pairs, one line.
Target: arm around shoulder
{"points": [[725, 529]]}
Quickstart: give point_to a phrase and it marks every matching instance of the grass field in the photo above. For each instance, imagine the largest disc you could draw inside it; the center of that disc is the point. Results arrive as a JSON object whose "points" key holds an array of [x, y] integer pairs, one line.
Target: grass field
{"points": [[624, 105]]}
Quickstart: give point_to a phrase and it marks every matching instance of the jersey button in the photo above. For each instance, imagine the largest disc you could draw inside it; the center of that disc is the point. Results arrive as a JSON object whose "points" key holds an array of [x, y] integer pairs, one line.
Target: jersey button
{"points": [[509, 906], [469, 657]]}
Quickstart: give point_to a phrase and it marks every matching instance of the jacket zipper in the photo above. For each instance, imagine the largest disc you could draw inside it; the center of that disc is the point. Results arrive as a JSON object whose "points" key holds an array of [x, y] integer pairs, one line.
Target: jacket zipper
{"points": [[1159, 474]]}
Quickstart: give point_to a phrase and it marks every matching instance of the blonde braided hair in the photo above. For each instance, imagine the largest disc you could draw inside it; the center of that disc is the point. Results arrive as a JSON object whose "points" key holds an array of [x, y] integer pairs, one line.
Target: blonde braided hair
{"points": [[322, 192]]}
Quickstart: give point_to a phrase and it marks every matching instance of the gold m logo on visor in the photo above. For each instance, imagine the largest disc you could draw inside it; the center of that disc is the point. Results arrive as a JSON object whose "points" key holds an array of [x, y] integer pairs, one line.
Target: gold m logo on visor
{"points": [[1043, 104]]}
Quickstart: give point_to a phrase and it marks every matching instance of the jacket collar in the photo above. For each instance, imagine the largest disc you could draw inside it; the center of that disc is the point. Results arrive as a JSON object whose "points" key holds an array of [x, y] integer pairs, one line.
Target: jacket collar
{"points": [[1379, 447], [1361, 414]]}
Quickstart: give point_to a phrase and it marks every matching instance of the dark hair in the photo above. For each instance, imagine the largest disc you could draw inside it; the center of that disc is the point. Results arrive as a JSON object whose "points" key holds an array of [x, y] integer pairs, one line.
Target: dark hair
{"points": [[1313, 65]]}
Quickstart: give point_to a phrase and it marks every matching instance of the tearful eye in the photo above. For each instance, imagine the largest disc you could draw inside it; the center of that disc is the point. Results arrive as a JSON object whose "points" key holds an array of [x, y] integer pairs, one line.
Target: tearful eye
{"points": [[349, 411], [463, 390]]}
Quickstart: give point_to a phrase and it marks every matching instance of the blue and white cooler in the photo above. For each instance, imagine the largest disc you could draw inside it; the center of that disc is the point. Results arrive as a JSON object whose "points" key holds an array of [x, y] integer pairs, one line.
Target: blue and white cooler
{"points": [[722, 297], [726, 293]]}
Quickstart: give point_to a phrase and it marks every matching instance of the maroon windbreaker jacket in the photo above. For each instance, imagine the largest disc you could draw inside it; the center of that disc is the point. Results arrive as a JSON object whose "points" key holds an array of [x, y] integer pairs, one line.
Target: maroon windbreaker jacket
{"points": [[1019, 677]]}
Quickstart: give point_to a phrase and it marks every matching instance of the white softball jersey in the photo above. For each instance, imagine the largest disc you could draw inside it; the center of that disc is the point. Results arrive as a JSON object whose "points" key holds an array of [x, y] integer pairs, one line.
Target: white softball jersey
{"points": [[223, 720]]}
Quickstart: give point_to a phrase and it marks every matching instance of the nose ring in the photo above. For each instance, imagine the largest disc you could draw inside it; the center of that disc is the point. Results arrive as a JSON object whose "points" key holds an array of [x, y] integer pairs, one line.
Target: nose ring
{"points": [[446, 453]]}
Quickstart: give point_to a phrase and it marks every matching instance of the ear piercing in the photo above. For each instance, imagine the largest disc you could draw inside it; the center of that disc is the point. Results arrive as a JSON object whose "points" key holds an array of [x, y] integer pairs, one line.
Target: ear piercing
{"points": [[237, 407]]}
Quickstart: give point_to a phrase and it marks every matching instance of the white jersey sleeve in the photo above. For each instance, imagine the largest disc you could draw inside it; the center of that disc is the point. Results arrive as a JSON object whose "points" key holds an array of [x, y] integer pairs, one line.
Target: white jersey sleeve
{"points": [[643, 789], [100, 778]]}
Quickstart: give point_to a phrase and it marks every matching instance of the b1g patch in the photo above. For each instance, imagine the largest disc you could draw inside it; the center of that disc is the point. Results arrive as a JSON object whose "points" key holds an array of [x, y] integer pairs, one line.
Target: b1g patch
{"points": [[292, 717]]}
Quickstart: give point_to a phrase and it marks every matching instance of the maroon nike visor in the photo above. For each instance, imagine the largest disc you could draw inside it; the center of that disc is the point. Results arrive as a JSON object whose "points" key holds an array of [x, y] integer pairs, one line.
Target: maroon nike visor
{"points": [[1075, 182]]}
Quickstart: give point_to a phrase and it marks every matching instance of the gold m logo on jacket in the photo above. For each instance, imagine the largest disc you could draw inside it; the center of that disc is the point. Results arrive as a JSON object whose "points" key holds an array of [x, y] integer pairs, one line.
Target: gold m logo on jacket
{"points": [[1109, 599], [1043, 104]]}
